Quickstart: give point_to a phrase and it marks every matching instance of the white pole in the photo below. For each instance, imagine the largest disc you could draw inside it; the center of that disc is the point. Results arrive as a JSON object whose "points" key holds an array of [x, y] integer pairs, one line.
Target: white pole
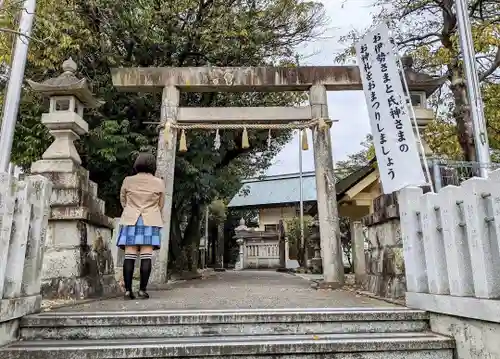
{"points": [[473, 89], [302, 240], [409, 106], [13, 96]]}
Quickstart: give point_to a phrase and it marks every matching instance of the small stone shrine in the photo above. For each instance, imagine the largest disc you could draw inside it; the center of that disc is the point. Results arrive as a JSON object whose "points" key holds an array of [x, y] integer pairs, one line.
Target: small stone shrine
{"points": [[257, 249], [77, 262]]}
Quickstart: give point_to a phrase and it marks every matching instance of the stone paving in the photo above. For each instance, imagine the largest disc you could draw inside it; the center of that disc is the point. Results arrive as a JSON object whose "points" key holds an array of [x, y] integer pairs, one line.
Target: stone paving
{"points": [[237, 290]]}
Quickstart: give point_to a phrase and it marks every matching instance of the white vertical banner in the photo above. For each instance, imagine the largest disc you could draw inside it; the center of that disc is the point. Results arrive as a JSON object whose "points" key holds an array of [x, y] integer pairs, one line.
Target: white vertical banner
{"points": [[393, 137]]}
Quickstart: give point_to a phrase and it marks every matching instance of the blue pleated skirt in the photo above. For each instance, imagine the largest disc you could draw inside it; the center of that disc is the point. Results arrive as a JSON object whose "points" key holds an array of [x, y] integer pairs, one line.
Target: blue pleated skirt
{"points": [[139, 235]]}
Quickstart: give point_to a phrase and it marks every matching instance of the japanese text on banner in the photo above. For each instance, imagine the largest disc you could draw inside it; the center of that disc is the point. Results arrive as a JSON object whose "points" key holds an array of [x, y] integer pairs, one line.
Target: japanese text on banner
{"points": [[394, 140]]}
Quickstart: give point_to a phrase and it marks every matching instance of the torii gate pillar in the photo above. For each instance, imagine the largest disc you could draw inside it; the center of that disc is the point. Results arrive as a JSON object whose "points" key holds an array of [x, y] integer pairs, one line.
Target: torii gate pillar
{"points": [[165, 168], [331, 249]]}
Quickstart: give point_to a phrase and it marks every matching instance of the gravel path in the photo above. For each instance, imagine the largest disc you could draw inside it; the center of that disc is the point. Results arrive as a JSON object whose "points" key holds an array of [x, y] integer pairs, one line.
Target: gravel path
{"points": [[234, 290]]}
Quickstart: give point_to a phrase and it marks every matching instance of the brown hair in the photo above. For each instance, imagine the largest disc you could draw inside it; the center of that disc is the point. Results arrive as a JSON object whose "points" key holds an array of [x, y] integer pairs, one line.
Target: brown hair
{"points": [[145, 163]]}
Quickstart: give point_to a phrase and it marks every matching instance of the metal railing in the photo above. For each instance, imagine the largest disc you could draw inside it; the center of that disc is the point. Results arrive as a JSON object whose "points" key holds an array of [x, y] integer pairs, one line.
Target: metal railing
{"points": [[447, 172]]}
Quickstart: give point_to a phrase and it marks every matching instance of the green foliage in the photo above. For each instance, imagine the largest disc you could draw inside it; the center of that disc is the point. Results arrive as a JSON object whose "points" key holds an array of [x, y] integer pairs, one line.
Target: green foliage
{"points": [[218, 210], [101, 34], [427, 30], [358, 159], [346, 238], [293, 234]]}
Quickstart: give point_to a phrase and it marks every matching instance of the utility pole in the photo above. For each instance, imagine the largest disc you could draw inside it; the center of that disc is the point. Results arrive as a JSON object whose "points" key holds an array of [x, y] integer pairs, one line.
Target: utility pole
{"points": [[473, 89], [13, 96], [301, 194], [301, 199]]}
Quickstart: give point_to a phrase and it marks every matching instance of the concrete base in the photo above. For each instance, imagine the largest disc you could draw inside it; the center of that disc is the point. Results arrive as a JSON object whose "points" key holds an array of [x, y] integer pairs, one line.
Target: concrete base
{"points": [[9, 331], [10, 312], [327, 285], [383, 285], [474, 339], [18, 307], [78, 261], [79, 288], [466, 307], [473, 323], [360, 279], [292, 264]]}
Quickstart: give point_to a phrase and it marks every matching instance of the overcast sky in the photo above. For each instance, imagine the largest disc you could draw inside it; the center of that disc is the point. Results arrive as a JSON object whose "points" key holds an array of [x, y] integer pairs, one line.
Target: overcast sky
{"points": [[348, 107]]}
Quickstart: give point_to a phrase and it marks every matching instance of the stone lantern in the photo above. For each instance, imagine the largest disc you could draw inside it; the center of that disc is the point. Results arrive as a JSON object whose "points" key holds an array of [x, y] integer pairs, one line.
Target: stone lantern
{"points": [[78, 262], [421, 87], [69, 96]]}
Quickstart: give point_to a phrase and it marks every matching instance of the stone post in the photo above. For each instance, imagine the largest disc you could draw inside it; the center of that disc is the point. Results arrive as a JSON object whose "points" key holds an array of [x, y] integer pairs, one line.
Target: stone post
{"points": [[240, 239], [240, 265], [331, 252], [358, 251], [165, 167]]}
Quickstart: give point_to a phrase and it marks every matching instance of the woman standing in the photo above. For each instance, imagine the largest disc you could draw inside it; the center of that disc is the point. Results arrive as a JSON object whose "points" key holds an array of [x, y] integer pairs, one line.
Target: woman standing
{"points": [[142, 197]]}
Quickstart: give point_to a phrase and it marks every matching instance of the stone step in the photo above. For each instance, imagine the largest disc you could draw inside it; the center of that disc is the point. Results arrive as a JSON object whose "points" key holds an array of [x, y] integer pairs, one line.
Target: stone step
{"points": [[423, 345], [188, 323]]}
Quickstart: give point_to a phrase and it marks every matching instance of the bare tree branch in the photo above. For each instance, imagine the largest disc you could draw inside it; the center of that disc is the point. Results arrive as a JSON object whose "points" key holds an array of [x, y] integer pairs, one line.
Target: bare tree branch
{"points": [[474, 6], [420, 38], [2, 29], [495, 65]]}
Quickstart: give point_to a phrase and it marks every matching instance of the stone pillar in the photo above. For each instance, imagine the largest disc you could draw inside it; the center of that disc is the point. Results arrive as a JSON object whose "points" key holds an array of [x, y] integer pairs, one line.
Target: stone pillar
{"points": [[314, 240], [202, 253], [240, 265], [358, 251], [165, 163], [240, 232], [331, 251]]}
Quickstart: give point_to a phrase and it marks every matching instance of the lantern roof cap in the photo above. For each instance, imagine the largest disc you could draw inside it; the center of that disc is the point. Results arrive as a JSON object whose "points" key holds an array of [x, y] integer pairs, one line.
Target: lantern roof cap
{"points": [[67, 84], [419, 81]]}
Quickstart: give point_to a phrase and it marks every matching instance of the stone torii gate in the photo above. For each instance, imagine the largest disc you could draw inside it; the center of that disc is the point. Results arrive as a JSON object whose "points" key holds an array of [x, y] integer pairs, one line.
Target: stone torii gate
{"points": [[316, 80]]}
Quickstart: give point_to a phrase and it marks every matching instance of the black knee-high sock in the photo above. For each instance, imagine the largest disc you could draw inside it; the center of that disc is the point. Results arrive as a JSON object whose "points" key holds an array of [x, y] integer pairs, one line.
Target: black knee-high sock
{"points": [[145, 270], [128, 270]]}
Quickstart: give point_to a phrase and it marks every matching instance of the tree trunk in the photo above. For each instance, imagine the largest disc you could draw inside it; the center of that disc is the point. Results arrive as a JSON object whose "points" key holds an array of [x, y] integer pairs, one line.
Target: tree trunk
{"points": [[175, 237], [461, 111], [220, 246], [191, 240], [462, 115]]}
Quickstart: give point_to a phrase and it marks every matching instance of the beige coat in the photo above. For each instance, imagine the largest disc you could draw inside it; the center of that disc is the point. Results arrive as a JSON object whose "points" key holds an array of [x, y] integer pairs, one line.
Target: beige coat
{"points": [[142, 195]]}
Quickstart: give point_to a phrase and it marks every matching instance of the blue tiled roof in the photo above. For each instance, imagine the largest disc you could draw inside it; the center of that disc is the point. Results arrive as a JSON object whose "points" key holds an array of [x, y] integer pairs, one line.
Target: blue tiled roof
{"points": [[275, 189], [281, 189]]}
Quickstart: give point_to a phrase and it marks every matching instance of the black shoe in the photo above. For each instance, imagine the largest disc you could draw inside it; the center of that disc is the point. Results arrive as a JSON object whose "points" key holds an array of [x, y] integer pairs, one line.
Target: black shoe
{"points": [[143, 294], [129, 295]]}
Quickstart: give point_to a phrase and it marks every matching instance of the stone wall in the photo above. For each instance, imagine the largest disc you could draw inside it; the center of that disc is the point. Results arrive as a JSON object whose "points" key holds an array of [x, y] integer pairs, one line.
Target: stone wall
{"points": [[385, 275]]}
